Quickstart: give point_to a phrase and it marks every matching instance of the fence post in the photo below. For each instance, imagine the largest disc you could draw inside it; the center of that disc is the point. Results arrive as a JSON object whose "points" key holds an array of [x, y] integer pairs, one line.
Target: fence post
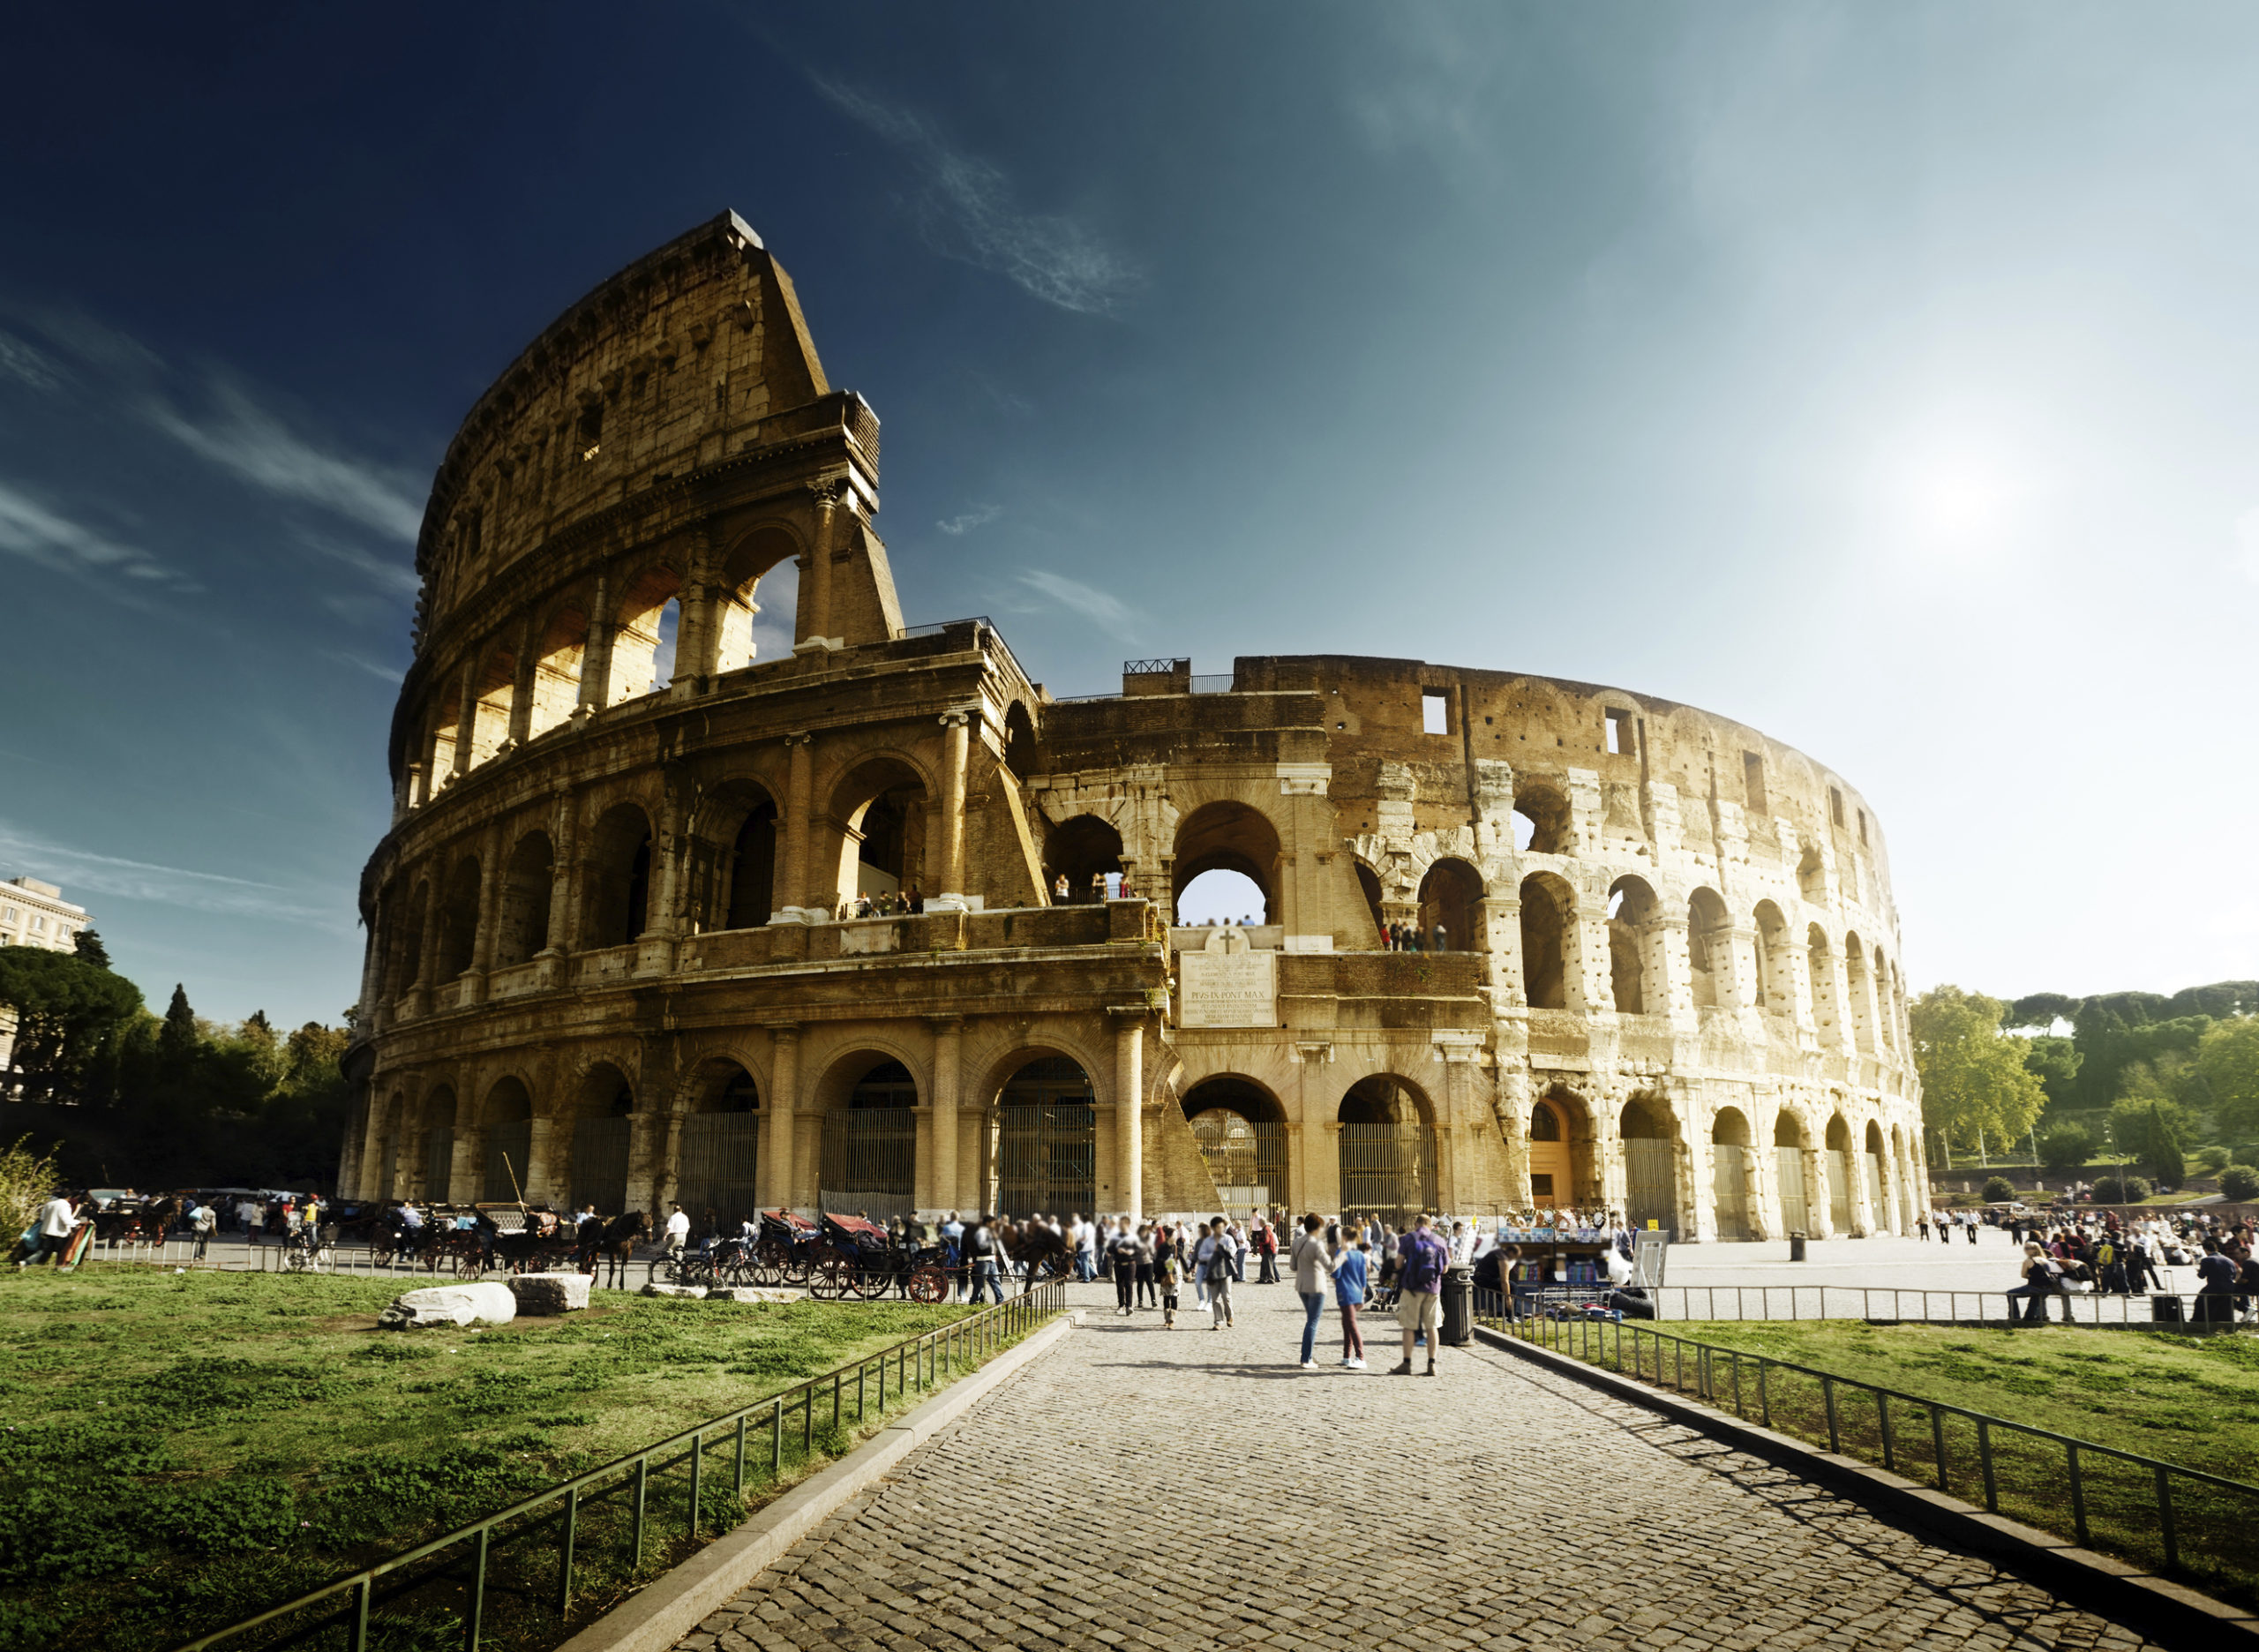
{"points": [[1735, 1356], [1764, 1400], [2078, 1492], [565, 1551], [361, 1613], [642, 1482], [2165, 1518], [1828, 1395], [776, 1438], [1937, 1445], [807, 1421], [1882, 1416], [835, 1380], [741, 1480], [697, 1467], [473, 1622], [1985, 1458]]}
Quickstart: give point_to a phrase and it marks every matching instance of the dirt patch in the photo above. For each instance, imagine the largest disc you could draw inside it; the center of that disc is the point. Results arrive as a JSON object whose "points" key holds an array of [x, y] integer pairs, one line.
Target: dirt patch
{"points": [[352, 1323]]}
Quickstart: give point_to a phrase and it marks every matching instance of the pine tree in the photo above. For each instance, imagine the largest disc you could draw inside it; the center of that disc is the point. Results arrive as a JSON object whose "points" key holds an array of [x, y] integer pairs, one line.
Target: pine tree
{"points": [[176, 1041], [89, 946], [2165, 1155]]}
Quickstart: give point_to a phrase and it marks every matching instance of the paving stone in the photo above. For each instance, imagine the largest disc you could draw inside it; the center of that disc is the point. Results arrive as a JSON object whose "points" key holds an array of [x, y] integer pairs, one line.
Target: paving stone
{"points": [[1194, 1492]]}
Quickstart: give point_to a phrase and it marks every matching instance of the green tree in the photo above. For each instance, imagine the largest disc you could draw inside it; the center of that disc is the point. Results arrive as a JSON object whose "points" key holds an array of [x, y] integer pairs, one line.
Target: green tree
{"points": [[64, 1008], [2240, 1183], [2228, 1056], [2066, 1147], [28, 1181], [2164, 1156], [88, 945], [1998, 1188], [1974, 1076], [2141, 1123], [2055, 1062]]}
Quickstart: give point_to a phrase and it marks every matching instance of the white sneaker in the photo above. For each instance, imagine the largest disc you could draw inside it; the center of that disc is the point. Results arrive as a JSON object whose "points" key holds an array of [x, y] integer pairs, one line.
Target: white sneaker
{"points": [[1309, 1364], [1354, 1365]]}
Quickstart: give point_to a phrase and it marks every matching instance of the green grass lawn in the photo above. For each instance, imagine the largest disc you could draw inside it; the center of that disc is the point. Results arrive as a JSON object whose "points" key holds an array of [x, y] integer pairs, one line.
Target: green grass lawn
{"points": [[2188, 1401], [179, 1451]]}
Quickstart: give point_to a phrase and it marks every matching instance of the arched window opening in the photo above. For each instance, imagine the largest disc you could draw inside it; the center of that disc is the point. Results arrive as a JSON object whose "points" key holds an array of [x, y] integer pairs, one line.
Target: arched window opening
{"points": [[1836, 1155], [1709, 945], [439, 1144], [507, 1123], [1630, 921], [1387, 1146], [719, 1158], [602, 1130], [868, 1164], [1241, 1129], [1543, 823], [746, 629], [1730, 1163], [1046, 1148], [494, 689], [523, 916], [644, 638], [408, 943], [620, 878], [1812, 877], [1773, 978], [879, 816], [1788, 1162], [1368, 885], [557, 669], [1222, 898], [1547, 909], [1085, 851], [730, 859], [1556, 1157], [1650, 1166], [1545, 1123], [753, 869], [1450, 899], [459, 923], [1855, 984], [1226, 838], [1878, 1203], [1820, 970], [441, 744], [1019, 741]]}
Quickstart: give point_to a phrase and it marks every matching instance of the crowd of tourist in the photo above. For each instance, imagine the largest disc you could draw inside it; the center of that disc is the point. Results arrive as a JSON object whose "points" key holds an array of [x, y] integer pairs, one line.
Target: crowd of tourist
{"points": [[2104, 1253]]}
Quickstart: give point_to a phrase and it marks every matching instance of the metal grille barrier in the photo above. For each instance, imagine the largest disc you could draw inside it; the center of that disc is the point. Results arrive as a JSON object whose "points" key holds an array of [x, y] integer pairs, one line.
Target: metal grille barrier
{"points": [[599, 1163], [2167, 1517], [1046, 1159], [1389, 1169], [522, 1559], [1243, 1153], [720, 1159], [868, 1152], [1885, 1305], [509, 1149]]}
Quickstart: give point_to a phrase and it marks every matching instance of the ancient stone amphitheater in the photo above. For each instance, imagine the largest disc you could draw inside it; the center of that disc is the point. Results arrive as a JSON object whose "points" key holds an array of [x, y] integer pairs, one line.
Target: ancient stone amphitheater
{"points": [[615, 953]]}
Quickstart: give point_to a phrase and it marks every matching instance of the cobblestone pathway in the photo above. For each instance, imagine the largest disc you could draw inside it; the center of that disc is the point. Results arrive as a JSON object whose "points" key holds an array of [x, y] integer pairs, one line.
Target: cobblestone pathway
{"points": [[1194, 1490]]}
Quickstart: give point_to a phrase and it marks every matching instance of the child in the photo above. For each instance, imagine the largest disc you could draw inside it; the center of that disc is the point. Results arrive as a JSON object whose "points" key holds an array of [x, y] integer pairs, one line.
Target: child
{"points": [[1349, 1282], [1164, 1275]]}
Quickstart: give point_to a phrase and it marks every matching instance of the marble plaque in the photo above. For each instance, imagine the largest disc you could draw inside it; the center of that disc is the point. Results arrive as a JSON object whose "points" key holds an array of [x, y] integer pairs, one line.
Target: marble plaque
{"points": [[1228, 986]]}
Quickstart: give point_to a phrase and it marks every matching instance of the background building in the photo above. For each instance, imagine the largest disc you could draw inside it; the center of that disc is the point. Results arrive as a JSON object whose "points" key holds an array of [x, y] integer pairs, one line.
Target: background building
{"points": [[33, 914], [616, 948]]}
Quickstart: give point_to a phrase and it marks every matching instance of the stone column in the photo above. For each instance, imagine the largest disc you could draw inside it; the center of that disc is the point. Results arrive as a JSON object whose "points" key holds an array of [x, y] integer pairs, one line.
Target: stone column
{"points": [[427, 967], [1867, 1012], [535, 1175], [940, 1177], [815, 583], [778, 1105], [799, 785], [1819, 1192], [1501, 920], [595, 656], [466, 718], [482, 943], [1129, 1107], [1674, 992], [527, 665], [563, 887], [956, 736]]}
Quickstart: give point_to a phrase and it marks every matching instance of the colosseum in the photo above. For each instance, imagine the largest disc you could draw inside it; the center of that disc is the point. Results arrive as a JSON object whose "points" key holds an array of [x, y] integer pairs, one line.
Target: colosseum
{"points": [[617, 942]]}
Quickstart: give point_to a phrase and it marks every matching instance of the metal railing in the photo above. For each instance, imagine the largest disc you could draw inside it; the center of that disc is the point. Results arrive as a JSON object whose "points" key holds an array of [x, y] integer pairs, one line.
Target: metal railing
{"points": [[1726, 1302], [1212, 682], [2171, 1517], [916, 1365]]}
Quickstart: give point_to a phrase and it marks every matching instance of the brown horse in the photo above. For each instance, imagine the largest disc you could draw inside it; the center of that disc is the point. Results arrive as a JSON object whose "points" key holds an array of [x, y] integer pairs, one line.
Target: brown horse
{"points": [[620, 1236], [1037, 1253]]}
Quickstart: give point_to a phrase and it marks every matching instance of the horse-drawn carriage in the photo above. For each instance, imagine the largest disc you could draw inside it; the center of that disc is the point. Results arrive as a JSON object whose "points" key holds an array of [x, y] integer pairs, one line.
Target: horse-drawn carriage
{"points": [[860, 1258], [127, 1221], [786, 1249]]}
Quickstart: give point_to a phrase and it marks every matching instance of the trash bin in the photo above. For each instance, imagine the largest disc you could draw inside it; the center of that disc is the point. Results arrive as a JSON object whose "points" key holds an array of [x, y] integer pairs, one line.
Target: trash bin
{"points": [[1459, 1306], [1795, 1247]]}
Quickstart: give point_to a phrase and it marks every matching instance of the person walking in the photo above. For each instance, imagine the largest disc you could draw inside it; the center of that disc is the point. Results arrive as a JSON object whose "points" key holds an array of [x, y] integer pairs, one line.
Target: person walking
{"points": [[1266, 1247], [202, 1221], [56, 1219], [1422, 1259], [1165, 1271], [1350, 1291], [1148, 1238], [1222, 1262], [1121, 1256], [980, 1252], [1313, 1272]]}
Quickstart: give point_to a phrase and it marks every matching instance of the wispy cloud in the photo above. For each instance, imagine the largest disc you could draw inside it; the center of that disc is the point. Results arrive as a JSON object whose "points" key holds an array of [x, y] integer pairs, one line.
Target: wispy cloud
{"points": [[244, 437], [1104, 609], [41, 534], [967, 212], [387, 573], [2246, 544], [82, 870], [27, 365], [979, 516], [382, 673]]}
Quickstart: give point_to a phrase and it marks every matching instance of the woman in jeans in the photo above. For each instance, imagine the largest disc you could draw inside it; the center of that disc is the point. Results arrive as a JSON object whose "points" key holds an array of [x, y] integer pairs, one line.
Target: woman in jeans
{"points": [[1312, 1269], [1350, 1290]]}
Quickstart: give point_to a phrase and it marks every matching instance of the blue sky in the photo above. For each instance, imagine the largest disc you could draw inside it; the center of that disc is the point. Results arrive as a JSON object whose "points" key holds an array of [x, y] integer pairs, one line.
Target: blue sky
{"points": [[1881, 376]]}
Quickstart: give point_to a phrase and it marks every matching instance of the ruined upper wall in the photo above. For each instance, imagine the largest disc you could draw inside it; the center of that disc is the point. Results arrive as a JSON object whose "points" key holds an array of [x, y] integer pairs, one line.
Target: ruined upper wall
{"points": [[679, 359]]}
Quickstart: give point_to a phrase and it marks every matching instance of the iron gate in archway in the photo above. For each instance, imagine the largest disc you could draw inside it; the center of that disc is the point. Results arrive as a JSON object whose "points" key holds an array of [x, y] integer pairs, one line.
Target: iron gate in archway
{"points": [[1246, 1158], [1046, 1159], [718, 1157], [599, 1169], [1388, 1170]]}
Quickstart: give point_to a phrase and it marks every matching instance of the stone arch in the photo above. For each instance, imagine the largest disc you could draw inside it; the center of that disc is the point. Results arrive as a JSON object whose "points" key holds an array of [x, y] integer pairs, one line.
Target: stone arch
{"points": [[1369, 886], [1228, 836], [494, 688], [436, 1130], [1733, 1172], [618, 904], [522, 916], [1836, 1159], [1856, 982], [459, 920], [1387, 1147], [1019, 741], [875, 827], [1451, 895], [1875, 1176], [1710, 949], [746, 564], [596, 1137], [1082, 849], [639, 625], [734, 852], [407, 940], [1633, 910], [1789, 1144], [559, 659], [1562, 1132], [1544, 822], [1812, 875], [1648, 1128], [1040, 1132], [505, 1120], [867, 1100], [1549, 909], [1774, 976], [1820, 973], [1239, 1125]]}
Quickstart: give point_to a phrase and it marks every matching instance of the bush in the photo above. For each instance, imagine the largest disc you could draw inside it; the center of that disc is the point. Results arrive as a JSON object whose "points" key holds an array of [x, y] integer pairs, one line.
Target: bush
{"points": [[1998, 1188], [2213, 1160], [2066, 1146], [2239, 1181], [2112, 1189]]}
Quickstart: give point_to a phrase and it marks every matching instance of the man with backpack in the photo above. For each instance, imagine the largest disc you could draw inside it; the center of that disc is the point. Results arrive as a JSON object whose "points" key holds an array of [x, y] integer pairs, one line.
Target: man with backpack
{"points": [[1422, 1261], [981, 1255]]}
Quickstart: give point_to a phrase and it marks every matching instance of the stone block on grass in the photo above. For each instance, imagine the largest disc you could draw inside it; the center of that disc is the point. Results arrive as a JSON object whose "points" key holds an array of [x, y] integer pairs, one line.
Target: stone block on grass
{"points": [[484, 1303], [549, 1293]]}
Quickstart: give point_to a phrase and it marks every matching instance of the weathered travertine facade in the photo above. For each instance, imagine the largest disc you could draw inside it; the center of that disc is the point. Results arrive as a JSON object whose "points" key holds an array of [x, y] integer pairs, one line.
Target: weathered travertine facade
{"points": [[605, 961]]}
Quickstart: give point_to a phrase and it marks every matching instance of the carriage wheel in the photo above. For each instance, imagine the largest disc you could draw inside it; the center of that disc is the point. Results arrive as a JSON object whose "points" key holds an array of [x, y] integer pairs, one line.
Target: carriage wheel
{"points": [[929, 1282], [834, 1276], [794, 1269]]}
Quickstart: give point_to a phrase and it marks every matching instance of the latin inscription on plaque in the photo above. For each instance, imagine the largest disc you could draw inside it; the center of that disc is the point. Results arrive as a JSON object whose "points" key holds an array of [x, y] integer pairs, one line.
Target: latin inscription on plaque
{"points": [[1229, 985]]}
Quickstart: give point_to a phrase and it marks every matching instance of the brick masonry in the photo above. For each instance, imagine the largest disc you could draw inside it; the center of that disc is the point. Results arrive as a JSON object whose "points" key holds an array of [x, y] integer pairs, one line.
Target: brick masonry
{"points": [[1194, 1490]]}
